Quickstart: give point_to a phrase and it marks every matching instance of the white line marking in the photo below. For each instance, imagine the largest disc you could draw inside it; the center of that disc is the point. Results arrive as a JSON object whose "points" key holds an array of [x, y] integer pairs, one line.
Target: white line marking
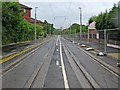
{"points": [[60, 66], [19, 62], [57, 42], [57, 63], [63, 68], [16, 65], [105, 67]]}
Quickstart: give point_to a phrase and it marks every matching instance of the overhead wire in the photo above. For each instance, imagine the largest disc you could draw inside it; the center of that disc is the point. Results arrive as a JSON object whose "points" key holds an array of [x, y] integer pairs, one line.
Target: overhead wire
{"points": [[52, 12], [67, 14]]}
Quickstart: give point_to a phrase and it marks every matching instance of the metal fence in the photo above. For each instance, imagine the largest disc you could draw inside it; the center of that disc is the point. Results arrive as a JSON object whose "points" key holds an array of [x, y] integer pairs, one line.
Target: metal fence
{"points": [[100, 39]]}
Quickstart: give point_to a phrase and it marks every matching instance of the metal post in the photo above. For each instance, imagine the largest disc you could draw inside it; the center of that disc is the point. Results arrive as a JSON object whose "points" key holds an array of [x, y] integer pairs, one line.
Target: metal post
{"points": [[35, 23], [105, 43], [80, 23], [50, 29], [92, 39], [88, 36], [70, 26], [46, 28]]}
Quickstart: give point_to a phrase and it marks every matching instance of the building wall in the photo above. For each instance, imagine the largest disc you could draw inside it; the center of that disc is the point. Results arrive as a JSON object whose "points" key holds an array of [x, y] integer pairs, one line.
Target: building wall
{"points": [[92, 31], [27, 15]]}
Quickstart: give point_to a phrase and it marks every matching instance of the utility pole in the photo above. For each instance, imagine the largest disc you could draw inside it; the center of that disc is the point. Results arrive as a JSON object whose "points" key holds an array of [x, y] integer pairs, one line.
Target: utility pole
{"points": [[70, 26], [50, 29], [105, 41], [35, 23], [46, 28], [88, 34], [80, 23]]}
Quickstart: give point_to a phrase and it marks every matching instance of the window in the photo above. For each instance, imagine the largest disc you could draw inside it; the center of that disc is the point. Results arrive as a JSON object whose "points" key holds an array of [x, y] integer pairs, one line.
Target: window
{"points": [[24, 10]]}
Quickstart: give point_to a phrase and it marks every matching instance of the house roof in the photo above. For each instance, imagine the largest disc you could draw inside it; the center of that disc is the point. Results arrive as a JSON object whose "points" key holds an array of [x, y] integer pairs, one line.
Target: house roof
{"points": [[37, 21], [24, 6], [92, 25]]}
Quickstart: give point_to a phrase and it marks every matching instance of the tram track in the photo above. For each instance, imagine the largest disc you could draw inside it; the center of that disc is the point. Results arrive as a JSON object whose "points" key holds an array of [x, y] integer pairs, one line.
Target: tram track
{"points": [[41, 71], [84, 78], [105, 65], [90, 59]]}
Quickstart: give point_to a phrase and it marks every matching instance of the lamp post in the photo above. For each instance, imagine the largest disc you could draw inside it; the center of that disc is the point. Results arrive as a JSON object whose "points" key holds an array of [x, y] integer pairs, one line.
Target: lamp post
{"points": [[80, 23], [35, 23]]}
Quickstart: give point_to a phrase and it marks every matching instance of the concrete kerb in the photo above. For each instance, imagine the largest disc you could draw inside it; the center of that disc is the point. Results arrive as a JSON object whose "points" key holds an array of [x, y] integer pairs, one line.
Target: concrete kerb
{"points": [[102, 62], [21, 52], [98, 51], [19, 60], [110, 56], [15, 43], [18, 44]]}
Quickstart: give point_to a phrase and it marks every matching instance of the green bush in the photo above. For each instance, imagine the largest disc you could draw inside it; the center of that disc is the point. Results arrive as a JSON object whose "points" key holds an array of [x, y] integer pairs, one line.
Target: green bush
{"points": [[14, 28]]}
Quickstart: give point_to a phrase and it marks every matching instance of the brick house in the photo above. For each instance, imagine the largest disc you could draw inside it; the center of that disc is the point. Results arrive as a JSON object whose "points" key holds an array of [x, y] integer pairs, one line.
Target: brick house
{"points": [[26, 11], [37, 21], [27, 14]]}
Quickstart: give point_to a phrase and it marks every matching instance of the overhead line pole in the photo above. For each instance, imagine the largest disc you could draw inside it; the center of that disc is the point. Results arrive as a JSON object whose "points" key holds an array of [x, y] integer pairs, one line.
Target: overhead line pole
{"points": [[80, 23], [35, 23]]}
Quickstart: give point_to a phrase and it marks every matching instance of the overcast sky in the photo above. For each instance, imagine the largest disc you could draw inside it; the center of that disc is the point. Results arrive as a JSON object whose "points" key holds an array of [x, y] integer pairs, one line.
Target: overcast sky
{"points": [[55, 11]]}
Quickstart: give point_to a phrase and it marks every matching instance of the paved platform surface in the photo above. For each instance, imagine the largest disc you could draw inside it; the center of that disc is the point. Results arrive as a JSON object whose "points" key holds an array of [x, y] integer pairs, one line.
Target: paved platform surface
{"points": [[115, 55], [111, 51]]}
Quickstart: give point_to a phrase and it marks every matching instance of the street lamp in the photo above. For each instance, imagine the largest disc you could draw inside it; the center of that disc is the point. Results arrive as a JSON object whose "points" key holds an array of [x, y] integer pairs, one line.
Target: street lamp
{"points": [[35, 23], [80, 23]]}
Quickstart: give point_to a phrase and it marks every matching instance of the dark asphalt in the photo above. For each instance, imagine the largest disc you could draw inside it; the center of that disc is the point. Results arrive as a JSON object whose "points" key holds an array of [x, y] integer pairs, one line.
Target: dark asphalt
{"points": [[104, 78], [93, 44], [54, 78], [16, 58], [112, 61], [100, 47], [73, 81], [13, 48], [18, 77], [51, 74]]}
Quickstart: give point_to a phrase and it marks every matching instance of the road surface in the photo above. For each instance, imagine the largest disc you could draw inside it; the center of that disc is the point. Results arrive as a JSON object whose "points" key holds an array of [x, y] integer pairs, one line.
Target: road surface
{"points": [[59, 63]]}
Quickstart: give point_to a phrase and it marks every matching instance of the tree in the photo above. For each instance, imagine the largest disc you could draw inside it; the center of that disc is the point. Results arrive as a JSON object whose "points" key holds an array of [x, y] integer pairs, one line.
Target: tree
{"points": [[48, 28], [93, 18], [11, 19], [75, 28], [119, 14], [14, 28], [107, 20]]}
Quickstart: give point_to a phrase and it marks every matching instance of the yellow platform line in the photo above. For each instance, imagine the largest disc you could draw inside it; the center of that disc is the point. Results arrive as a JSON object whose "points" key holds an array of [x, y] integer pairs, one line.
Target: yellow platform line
{"points": [[19, 53], [114, 55], [93, 52]]}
